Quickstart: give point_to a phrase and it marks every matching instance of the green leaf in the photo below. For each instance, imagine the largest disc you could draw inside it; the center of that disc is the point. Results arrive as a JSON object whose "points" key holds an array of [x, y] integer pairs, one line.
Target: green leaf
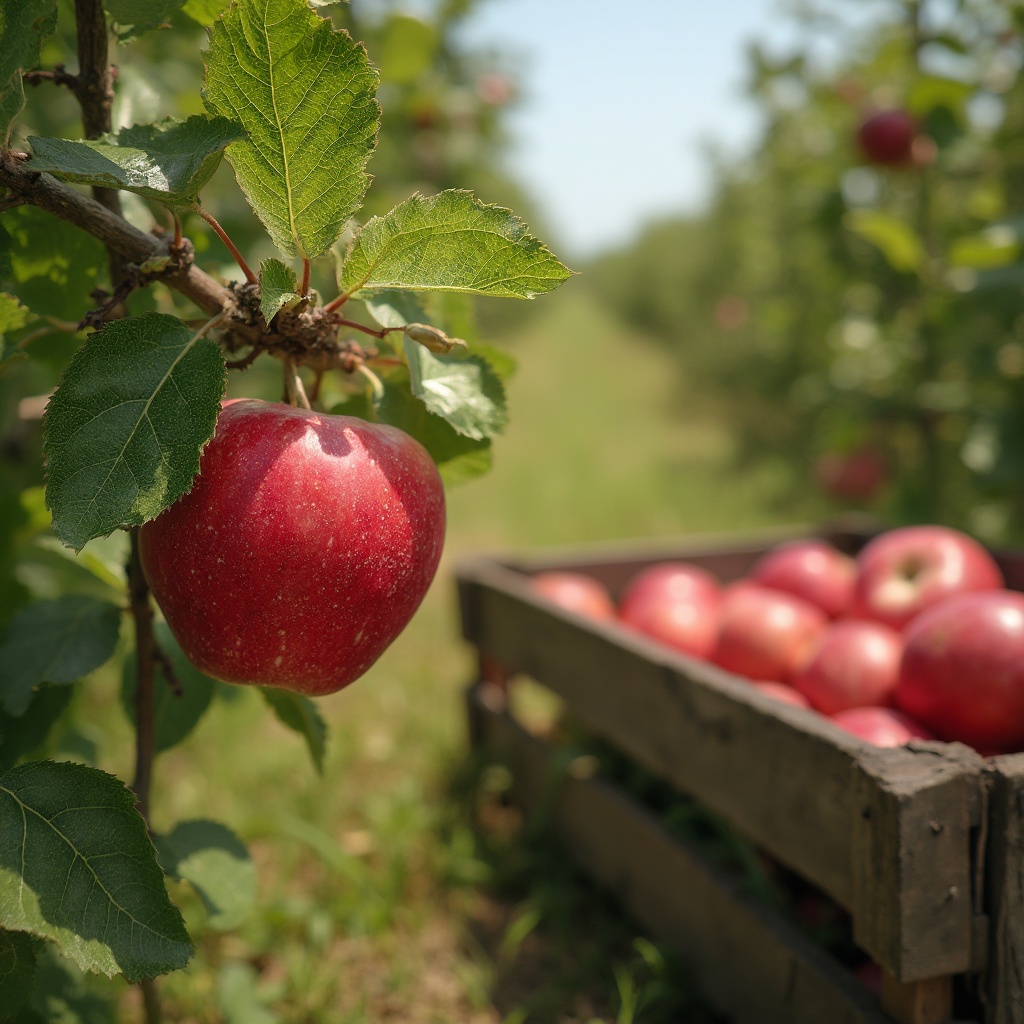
{"points": [[55, 641], [51, 266], [170, 161], [23, 26], [304, 93], [62, 993], [897, 241], [13, 316], [77, 866], [998, 246], [125, 428], [216, 863], [17, 969], [451, 242], [301, 714], [393, 308], [407, 49], [206, 12], [458, 458], [24, 735], [278, 288], [133, 17], [462, 390], [239, 997], [175, 715]]}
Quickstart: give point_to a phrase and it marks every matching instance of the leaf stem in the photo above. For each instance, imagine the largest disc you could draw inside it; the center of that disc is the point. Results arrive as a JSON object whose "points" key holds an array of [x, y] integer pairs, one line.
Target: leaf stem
{"points": [[336, 303], [294, 389], [383, 332], [223, 236], [304, 287]]}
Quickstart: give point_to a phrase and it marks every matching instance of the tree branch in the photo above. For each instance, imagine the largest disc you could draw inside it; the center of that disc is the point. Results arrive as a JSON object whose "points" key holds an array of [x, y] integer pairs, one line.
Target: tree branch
{"points": [[46, 192]]}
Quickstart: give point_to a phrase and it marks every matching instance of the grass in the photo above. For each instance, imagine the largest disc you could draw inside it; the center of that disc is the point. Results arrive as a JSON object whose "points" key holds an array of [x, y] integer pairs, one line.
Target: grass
{"points": [[397, 886]]}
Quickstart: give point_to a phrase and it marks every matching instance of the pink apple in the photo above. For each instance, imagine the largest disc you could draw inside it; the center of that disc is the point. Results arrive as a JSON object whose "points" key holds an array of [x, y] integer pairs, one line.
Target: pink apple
{"points": [[576, 592], [780, 691], [855, 663], [676, 603], [962, 672], [811, 569], [766, 634], [304, 547], [887, 137], [884, 727], [903, 571]]}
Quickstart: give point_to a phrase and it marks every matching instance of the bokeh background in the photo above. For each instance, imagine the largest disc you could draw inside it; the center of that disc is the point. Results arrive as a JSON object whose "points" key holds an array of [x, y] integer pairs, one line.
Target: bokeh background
{"points": [[768, 327]]}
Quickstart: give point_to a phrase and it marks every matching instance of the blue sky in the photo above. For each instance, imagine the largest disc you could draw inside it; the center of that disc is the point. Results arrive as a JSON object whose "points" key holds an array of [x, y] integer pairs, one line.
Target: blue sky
{"points": [[619, 98]]}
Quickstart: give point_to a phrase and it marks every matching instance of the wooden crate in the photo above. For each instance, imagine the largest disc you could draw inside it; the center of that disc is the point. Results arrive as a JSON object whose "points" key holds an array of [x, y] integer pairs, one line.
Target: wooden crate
{"points": [[922, 845]]}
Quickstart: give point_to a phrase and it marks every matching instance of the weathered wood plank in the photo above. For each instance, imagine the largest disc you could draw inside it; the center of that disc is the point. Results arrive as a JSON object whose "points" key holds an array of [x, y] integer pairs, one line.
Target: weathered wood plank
{"points": [[1004, 982], [915, 824], [748, 962], [920, 1002]]}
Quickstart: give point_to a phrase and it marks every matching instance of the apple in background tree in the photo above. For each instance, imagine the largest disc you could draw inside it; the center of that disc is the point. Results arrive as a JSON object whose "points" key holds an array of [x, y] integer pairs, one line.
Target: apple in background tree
{"points": [[855, 476], [780, 691], [811, 569], [962, 672], [887, 137], [576, 592], [676, 603], [903, 571], [856, 663], [306, 544], [884, 727], [766, 634]]}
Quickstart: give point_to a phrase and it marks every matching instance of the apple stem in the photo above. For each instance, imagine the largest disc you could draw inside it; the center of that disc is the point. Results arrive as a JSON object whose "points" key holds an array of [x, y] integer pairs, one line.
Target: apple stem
{"points": [[294, 390], [375, 383], [223, 236]]}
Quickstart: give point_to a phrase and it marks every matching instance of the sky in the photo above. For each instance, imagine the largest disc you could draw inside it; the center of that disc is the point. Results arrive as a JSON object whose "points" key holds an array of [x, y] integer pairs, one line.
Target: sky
{"points": [[619, 98]]}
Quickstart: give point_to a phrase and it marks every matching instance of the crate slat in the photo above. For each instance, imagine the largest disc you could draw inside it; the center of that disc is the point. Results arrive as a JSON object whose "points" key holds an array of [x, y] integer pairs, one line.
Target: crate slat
{"points": [[749, 962]]}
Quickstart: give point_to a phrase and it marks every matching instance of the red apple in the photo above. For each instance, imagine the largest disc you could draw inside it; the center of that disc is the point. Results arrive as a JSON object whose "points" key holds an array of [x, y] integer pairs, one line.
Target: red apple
{"points": [[811, 569], [676, 603], [884, 727], [962, 672], [856, 663], [855, 476], [302, 550], [887, 137], [766, 634], [780, 691], [576, 592], [903, 571]]}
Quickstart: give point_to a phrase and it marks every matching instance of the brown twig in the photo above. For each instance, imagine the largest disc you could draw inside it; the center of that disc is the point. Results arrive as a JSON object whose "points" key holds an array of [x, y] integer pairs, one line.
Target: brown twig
{"points": [[47, 193], [58, 76]]}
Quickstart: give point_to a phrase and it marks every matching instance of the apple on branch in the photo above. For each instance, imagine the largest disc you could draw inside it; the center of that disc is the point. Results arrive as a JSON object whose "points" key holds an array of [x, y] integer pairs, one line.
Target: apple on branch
{"points": [[303, 549]]}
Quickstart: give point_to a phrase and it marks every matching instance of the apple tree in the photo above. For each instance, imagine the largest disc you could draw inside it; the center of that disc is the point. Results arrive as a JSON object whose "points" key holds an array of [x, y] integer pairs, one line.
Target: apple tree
{"points": [[109, 323]]}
